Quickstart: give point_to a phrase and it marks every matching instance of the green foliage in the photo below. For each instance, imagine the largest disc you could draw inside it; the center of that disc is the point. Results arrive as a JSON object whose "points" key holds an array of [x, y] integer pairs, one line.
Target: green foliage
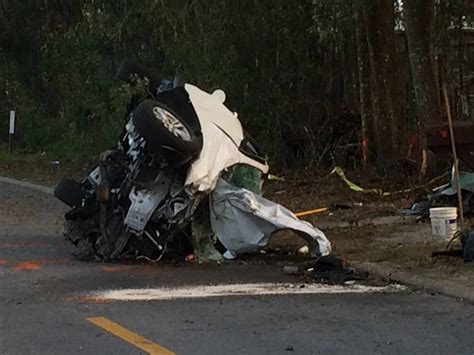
{"points": [[263, 54], [281, 63]]}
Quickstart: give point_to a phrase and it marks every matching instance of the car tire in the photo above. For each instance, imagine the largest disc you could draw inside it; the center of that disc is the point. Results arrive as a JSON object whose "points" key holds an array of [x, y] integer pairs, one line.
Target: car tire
{"points": [[69, 192], [164, 130]]}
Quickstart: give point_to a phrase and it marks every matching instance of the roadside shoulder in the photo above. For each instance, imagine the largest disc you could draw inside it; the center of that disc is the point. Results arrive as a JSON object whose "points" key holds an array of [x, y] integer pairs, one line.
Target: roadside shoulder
{"points": [[25, 184], [389, 272]]}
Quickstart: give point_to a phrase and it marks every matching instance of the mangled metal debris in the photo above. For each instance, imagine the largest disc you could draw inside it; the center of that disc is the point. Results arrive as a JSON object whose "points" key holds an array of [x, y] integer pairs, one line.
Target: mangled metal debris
{"points": [[167, 187], [244, 221], [446, 196]]}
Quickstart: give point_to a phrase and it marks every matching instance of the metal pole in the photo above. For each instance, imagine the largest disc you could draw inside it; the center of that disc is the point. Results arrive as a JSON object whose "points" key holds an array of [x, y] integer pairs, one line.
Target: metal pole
{"points": [[10, 142], [11, 131]]}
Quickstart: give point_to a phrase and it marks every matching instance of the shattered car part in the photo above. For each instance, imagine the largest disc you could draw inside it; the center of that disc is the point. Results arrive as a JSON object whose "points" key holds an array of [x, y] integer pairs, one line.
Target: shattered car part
{"points": [[144, 203], [466, 180], [446, 196], [244, 221], [145, 197], [222, 137]]}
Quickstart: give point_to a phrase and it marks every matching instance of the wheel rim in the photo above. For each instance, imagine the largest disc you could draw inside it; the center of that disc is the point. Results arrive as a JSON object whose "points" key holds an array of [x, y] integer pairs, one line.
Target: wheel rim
{"points": [[172, 124]]}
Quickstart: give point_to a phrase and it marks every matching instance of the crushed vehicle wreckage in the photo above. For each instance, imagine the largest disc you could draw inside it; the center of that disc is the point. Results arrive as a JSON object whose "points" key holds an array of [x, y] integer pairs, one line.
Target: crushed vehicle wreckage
{"points": [[184, 177]]}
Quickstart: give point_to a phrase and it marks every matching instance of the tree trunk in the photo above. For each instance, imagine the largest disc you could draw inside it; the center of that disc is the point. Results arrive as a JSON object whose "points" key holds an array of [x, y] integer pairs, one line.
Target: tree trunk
{"points": [[365, 101], [379, 22], [350, 75], [418, 17]]}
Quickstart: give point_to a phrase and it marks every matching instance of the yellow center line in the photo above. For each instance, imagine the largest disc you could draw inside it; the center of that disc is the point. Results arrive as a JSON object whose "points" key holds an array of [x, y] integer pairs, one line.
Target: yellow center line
{"points": [[129, 336]]}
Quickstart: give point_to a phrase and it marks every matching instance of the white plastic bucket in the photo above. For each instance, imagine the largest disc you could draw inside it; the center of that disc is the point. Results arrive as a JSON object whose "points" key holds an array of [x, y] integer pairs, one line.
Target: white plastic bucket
{"points": [[443, 223]]}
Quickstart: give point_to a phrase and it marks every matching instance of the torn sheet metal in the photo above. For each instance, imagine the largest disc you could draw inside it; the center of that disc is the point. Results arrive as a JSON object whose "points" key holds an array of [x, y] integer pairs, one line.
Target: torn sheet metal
{"points": [[222, 135], [244, 221], [466, 180]]}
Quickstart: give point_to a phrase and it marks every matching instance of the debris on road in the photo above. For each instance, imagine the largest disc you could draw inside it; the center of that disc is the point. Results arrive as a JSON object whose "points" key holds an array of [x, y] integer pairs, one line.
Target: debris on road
{"points": [[291, 270], [332, 270], [327, 270], [183, 179], [303, 250]]}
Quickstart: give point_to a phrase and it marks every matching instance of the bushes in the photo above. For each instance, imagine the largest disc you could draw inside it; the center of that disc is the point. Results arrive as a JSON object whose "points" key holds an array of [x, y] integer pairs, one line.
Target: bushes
{"points": [[266, 55]]}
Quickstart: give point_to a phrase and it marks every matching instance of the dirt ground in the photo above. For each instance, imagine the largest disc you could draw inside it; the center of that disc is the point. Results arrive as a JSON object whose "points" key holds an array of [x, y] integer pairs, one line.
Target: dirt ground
{"points": [[369, 228], [362, 227]]}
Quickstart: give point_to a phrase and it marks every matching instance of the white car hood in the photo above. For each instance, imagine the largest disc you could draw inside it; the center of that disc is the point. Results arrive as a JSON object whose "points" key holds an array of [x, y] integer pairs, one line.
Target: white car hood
{"points": [[222, 134]]}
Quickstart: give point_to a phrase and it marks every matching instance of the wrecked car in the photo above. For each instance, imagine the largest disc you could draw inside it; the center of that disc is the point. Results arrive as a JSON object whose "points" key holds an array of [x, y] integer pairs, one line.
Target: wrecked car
{"points": [[171, 183]]}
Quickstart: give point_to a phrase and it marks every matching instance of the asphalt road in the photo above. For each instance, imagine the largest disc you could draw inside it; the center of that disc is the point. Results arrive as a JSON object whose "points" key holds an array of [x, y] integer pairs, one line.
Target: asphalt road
{"points": [[45, 304]]}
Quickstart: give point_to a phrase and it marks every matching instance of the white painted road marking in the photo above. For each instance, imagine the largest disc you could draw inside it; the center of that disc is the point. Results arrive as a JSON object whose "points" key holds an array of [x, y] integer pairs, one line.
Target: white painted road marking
{"points": [[207, 291]]}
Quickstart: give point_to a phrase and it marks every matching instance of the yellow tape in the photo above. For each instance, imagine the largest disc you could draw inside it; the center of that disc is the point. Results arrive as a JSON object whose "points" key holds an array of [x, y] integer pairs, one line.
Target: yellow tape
{"points": [[351, 185], [354, 187]]}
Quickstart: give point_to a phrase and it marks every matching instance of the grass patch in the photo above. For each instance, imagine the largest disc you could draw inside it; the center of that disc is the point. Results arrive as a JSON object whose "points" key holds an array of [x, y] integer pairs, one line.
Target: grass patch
{"points": [[43, 168]]}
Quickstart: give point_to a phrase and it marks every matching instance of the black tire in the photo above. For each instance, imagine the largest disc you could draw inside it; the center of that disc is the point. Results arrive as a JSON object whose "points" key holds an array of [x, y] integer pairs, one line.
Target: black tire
{"points": [[69, 192], [164, 130]]}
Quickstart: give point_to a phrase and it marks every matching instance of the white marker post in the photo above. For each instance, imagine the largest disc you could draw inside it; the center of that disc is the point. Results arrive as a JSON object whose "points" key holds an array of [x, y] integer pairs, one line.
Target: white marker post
{"points": [[11, 130]]}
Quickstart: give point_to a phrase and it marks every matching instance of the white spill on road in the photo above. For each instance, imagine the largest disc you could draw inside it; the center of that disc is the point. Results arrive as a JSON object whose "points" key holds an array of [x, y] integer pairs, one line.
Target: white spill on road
{"points": [[207, 291]]}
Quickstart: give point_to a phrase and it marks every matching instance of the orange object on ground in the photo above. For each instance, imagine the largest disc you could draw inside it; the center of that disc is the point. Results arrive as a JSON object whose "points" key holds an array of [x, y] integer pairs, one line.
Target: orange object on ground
{"points": [[27, 266], [310, 212]]}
